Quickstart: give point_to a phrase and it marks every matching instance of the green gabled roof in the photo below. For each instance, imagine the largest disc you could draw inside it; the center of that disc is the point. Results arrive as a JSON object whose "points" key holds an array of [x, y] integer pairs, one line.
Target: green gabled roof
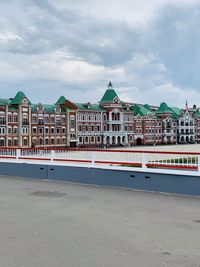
{"points": [[197, 114], [49, 108], [109, 94], [164, 108], [140, 110], [18, 98], [46, 108], [176, 112], [84, 106], [33, 107], [4, 101], [61, 100], [147, 106]]}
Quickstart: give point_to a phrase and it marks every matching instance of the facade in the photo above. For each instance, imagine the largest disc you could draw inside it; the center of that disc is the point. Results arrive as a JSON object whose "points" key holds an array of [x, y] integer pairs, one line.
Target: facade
{"points": [[111, 122]]}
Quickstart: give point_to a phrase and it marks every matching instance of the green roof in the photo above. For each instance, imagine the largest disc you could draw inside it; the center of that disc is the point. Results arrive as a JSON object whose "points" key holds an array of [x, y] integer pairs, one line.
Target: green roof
{"points": [[88, 106], [176, 112], [140, 110], [4, 101], [164, 108], [46, 108], [109, 94], [18, 98], [61, 100], [147, 106], [197, 114]]}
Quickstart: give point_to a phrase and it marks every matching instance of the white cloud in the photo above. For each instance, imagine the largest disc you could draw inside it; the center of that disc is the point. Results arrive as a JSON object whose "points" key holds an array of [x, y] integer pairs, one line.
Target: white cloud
{"points": [[6, 36]]}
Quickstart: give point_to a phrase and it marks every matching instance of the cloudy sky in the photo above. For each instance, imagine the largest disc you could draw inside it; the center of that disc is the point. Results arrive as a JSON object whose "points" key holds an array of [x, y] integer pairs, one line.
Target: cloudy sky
{"points": [[149, 49]]}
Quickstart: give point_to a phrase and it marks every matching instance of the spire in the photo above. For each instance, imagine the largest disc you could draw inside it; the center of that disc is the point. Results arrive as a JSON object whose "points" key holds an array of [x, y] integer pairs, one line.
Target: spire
{"points": [[110, 85], [186, 105]]}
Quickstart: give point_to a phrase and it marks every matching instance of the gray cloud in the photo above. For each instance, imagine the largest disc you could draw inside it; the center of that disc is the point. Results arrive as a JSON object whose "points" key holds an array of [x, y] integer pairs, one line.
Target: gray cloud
{"points": [[50, 48]]}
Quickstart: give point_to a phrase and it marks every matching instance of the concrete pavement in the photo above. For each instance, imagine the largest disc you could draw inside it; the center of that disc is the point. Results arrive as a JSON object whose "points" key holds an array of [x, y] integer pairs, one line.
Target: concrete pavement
{"points": [[57, 224]]}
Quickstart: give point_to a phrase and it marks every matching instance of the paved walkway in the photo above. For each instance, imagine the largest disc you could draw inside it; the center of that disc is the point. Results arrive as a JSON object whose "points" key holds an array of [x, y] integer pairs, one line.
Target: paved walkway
{"points": [[59, 224], [169, 148]]}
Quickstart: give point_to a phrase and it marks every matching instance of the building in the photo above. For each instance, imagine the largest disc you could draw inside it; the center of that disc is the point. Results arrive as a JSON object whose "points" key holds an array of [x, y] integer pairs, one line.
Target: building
{"points": [[111, 122]]}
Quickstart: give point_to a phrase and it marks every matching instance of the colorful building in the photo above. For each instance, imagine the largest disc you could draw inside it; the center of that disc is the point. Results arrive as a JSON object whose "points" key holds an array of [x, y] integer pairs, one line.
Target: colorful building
{"points": [[111, 122]]}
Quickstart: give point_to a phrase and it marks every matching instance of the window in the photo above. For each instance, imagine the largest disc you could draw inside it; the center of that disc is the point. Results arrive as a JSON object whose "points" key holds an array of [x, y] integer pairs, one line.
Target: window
{"points": [[72, 122], [9, 142], [41, 141], [2, 120], [15, 118], [2, 142], [25, 121], [52, 130], [15, 130], [2, 130], [52, 141], [52, 119], [25, 142], [9, 118], [15, 142], [63, 130], [34, 119], [57, 130], [63, 119], [46, 119], [9, 130], [25, 130], [46, 130], [34, 130]]}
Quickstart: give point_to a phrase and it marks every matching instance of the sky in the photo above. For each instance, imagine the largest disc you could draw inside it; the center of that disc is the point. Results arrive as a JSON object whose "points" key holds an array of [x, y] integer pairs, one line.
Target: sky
{"points": [[148, 49]]}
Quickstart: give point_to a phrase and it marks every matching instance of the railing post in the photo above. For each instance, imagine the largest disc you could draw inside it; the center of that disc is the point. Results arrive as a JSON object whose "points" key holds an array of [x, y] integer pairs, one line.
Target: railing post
{"points": [[18, 153], [198, 163], [52, 155], [93, 157], [144, 162]]}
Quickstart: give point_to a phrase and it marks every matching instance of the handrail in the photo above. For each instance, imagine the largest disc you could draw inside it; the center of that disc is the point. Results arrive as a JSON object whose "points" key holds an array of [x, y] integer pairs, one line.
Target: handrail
{"points": [[105, 150]]}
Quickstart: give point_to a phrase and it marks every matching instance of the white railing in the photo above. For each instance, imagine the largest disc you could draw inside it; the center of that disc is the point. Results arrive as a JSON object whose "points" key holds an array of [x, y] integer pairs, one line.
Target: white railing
{"points": [[132, 158], [9, 153]]}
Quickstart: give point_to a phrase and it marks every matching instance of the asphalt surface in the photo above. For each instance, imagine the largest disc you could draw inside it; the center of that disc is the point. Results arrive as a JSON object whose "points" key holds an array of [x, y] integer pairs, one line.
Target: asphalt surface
{"points": [[58, 224]]}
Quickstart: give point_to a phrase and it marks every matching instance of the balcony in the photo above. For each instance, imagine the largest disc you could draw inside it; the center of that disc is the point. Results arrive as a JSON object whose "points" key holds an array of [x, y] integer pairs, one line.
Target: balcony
{"points": [[25, 123], [40, 122], [58, 123], [115, 122], [2, 122]]}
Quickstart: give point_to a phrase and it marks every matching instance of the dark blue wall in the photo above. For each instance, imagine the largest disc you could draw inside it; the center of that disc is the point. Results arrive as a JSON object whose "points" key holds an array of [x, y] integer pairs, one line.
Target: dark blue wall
{"points": [[180, 184]]}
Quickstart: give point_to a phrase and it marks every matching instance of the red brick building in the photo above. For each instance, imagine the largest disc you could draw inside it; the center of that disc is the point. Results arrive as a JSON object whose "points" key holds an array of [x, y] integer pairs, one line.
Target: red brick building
{"points": [[111, 122]]}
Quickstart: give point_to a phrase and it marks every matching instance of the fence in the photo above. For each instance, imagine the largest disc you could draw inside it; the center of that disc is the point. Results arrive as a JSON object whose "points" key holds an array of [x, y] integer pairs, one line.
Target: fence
{"points": [[131, 158]]}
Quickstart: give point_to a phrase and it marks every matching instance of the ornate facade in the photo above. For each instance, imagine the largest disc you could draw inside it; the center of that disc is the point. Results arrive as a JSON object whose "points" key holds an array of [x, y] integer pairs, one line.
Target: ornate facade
{"points": [[111, 122]]}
